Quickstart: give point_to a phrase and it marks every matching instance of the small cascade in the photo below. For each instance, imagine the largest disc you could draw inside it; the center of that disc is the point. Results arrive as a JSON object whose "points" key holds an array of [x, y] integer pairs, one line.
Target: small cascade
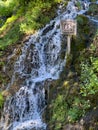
{"points": [[40, 60]]}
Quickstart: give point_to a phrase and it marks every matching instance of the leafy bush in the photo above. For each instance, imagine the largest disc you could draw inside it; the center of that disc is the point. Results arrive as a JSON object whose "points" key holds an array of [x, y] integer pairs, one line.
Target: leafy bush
{"points": [[7, 7], [11, 36], [93, 9], [82, 39], [59, 111], [37, 15], [89, 77], [69, 111], [23, 16], [78, 108]]}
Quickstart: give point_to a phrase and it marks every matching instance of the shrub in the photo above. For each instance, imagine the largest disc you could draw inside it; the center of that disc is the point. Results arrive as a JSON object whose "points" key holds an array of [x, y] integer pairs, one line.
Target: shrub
{"points": [[11, 37], [93, 9], [78, 108], [59, 109], [89, 78], [7, 7], [37, 15]]}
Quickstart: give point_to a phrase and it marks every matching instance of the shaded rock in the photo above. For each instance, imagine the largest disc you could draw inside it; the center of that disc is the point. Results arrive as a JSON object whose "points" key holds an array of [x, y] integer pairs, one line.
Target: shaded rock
{"points": [[91, 120]]}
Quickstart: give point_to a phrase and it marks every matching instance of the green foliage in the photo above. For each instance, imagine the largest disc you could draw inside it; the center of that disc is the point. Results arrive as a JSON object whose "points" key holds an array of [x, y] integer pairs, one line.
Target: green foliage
{"points": [[97, 32], [1, 100], [89, 80], [78, 109], [89, 77], [23, 16], [2, 79], [57, 1], [2, 21], [93, 9], [59, 113], [7, 7], [10, 30], [78, 91], [9, 22], [81, 98], [23, 2], [58, 109], [83, 22], [37, 15], [95, 64], [74, 112], [78, 4], [11, 36], [1, 64], [70, 111], [83, 31], [58, 126]]}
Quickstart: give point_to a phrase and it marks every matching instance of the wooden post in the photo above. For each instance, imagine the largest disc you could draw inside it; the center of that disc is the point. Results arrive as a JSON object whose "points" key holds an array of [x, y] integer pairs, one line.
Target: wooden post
{"points": [[69, 28], [68, 44]]}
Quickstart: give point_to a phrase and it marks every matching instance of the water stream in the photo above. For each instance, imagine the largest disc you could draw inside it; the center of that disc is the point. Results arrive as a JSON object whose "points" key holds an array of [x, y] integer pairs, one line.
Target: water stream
{"points": [[40, 60]]}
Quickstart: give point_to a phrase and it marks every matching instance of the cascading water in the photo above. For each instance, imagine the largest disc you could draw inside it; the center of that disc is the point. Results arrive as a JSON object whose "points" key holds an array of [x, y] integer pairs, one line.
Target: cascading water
{"points": [[40, 60]]}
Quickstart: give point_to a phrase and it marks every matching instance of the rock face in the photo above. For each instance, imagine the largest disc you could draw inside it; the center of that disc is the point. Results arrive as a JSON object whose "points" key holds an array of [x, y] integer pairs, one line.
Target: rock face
{"points": [[8, 60]]}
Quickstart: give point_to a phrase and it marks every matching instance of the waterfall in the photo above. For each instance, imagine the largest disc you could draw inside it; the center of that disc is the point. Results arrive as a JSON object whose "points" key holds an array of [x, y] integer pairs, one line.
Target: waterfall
{"points": [[40, 60]]}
